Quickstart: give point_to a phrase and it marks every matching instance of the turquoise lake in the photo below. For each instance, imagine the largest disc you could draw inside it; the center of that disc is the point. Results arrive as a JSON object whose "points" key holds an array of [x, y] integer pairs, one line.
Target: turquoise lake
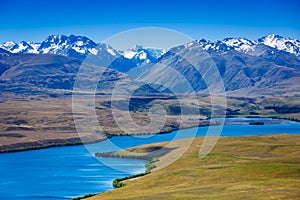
{"points": [[65, 172]]}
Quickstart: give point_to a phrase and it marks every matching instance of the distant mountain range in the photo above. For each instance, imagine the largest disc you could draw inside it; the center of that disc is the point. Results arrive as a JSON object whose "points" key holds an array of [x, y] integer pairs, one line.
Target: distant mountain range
{"points": [[81, 46], [268, 65]]}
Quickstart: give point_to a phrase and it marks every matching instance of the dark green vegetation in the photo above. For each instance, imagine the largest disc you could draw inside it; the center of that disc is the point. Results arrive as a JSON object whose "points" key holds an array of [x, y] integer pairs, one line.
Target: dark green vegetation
{"points": [[83, 197], [285, 109], [150, 164], [256, 123], [117, 182], [48, 144], [255, 167]]}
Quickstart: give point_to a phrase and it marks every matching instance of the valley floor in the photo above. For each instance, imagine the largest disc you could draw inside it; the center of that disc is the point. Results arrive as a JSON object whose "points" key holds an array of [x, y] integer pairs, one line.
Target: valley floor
{"points": [[254, 167], [31, 122]]}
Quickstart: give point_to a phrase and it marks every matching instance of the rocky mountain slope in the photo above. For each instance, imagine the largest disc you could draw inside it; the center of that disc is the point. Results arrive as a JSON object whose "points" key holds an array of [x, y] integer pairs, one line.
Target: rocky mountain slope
{"points": [[268, 65], [262, 70]]}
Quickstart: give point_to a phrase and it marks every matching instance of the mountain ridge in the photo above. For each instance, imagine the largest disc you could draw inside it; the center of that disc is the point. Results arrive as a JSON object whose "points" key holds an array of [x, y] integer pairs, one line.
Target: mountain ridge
{"points": [[59, 44], [269, 65]]}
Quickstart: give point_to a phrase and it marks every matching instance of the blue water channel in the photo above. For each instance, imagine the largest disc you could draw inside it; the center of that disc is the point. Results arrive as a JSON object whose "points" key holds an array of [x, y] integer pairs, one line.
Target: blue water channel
{"points": [[65, 172]]}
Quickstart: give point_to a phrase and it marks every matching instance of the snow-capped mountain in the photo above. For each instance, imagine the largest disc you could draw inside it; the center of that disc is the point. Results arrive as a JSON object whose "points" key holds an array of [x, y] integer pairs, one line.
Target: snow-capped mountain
{"points": [[223, 46], [268, 64], [81, 46], [72, 46], [240, 44], [246, 67], [22, 47], [209, 46], [285, 44], [244, 45], [275, 41], [141, 55], [7, 45], [58, 44]]}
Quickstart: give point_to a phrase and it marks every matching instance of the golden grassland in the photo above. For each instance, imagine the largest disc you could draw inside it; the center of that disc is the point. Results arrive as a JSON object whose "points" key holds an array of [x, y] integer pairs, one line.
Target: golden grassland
{"points": [[34, 122], [40, 121], [252, 167]]}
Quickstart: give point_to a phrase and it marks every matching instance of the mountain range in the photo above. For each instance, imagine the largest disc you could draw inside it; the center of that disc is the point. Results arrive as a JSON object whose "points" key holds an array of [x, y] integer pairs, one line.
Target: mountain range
{"points": [[81, 46], [268, 65]]}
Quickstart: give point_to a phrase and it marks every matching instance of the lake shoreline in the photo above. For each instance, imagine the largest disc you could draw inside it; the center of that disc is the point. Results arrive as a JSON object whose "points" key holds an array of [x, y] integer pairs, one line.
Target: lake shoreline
{"points": [[77, 141], [270, 144], [85, 166], [148, 158]]}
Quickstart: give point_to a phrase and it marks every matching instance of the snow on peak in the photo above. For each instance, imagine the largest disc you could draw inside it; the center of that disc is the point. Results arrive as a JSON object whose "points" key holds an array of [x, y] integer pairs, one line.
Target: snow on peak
{"points": [[240, 44], [286, 44], [140, 54], [61, 44], [129, 54], [22, 47], [217, 46], [110, 50], [73, 46], [8, 45], [136, 48], [245, 45], [81, 46], [137, 53], [35, 46]]}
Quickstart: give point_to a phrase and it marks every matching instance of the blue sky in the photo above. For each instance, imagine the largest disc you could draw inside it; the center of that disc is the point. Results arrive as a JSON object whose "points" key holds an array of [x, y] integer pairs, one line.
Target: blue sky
{"points": [[210, 19]]}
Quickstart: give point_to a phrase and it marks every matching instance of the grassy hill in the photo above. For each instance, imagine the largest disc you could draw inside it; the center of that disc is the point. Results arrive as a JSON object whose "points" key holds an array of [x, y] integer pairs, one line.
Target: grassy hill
{"points": [[256, 167]]}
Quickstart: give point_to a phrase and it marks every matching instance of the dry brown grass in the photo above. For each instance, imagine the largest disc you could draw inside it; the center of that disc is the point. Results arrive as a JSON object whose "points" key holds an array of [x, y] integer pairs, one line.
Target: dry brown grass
{"points": [[38, 121], [27, 121]]}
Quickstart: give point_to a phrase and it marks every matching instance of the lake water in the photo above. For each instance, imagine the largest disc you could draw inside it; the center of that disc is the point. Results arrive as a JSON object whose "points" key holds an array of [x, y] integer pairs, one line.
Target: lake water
{"points": [[65, 172]]}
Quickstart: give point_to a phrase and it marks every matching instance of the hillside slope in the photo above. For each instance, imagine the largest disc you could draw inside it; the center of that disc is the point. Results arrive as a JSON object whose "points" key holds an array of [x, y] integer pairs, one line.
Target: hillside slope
{"points": [[256, 167], [265, 71]]}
